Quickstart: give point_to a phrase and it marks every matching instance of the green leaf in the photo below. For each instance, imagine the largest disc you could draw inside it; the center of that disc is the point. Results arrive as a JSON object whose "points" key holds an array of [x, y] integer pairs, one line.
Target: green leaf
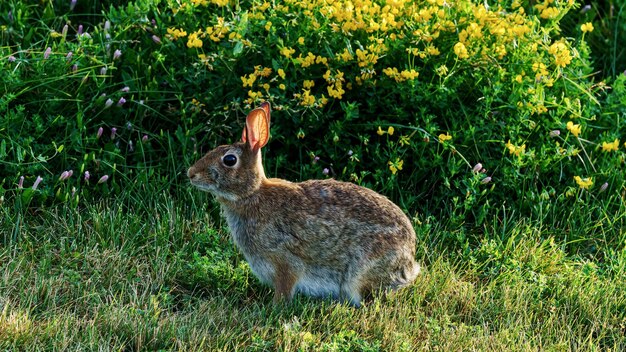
{"points": [[238, 49]]}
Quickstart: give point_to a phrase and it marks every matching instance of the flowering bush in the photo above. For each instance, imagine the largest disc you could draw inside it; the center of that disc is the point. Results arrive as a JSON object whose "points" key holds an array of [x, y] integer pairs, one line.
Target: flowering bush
{"points": [[407, 97]]}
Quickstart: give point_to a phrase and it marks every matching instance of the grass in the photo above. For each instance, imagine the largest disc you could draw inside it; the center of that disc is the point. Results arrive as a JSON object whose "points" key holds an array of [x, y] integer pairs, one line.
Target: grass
{"points": [[156, 271], [164, 275]]}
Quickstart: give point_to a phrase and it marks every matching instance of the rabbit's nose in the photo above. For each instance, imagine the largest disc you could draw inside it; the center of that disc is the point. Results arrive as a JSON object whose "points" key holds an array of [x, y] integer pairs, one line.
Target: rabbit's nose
{"points": [[191, 173]]}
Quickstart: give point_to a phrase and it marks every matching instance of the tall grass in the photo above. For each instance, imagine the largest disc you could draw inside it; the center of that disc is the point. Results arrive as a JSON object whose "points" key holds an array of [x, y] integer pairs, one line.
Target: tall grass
{"points": [[163, 275]]}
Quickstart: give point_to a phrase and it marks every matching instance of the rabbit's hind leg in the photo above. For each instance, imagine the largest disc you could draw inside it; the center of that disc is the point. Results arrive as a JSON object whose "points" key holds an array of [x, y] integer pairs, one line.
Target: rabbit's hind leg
{"points": [[387, 273], [351, 294], [355, 283]]}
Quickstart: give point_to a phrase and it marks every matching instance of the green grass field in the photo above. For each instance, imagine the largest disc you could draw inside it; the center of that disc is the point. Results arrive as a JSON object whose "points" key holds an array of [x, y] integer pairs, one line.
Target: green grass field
{"points": [[531, 260], [160, 274]]}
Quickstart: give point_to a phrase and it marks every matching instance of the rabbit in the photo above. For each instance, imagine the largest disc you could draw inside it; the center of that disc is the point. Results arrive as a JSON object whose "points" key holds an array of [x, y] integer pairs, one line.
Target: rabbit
{"points": [[321, 238]]}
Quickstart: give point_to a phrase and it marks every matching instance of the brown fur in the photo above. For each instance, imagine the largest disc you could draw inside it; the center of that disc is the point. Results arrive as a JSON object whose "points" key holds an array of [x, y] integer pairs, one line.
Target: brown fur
{"points": [[320, 237]]}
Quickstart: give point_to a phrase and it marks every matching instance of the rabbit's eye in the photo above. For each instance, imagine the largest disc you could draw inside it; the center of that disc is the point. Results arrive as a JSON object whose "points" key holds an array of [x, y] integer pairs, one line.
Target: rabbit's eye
{"points": [[230, 160]]}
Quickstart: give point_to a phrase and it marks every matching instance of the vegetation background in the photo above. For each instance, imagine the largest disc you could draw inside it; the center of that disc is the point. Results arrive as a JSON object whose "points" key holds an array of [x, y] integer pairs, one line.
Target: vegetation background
{"points": [[498, 126]]}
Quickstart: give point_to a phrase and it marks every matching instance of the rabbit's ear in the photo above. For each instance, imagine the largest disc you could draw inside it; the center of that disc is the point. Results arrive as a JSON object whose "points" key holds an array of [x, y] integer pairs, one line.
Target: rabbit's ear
{"points": [[257, 131], [266, 107]]}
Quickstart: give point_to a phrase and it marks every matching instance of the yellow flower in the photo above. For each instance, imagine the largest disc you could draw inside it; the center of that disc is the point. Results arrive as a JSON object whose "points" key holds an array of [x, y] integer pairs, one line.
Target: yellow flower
{"points": [[326, 76], [193, 41], [390, 130], [391, 72], [561, 53], [218, 32], [264, 6], [254, 95], [444, 137], [282, 87], [287, 52], [500, 50], [262, 71], [583, 183], [301, 40], [586, 27], [380, 131], [460, 50], [308, 84], [195, 102], [306, 99], [519, 78], [395, 166], [345, 56], [335, 90], [431, 50], [281, 73], [608, 147], [321, 60], [513, 149], [205, 59], [308, 60], [176, 33], [573, 128], [549, 13], [541, 109], [412, 74], [248, 81], [365, 58]]}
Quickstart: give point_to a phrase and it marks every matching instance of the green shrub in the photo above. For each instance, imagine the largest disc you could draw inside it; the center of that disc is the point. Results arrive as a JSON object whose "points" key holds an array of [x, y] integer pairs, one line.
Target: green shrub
{"points": [[408, 97]]}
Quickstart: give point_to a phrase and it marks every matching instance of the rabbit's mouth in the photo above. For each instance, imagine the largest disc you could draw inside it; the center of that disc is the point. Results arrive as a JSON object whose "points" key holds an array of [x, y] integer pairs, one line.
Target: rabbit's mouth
{"points": [[214, 190], [204, 186]]}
